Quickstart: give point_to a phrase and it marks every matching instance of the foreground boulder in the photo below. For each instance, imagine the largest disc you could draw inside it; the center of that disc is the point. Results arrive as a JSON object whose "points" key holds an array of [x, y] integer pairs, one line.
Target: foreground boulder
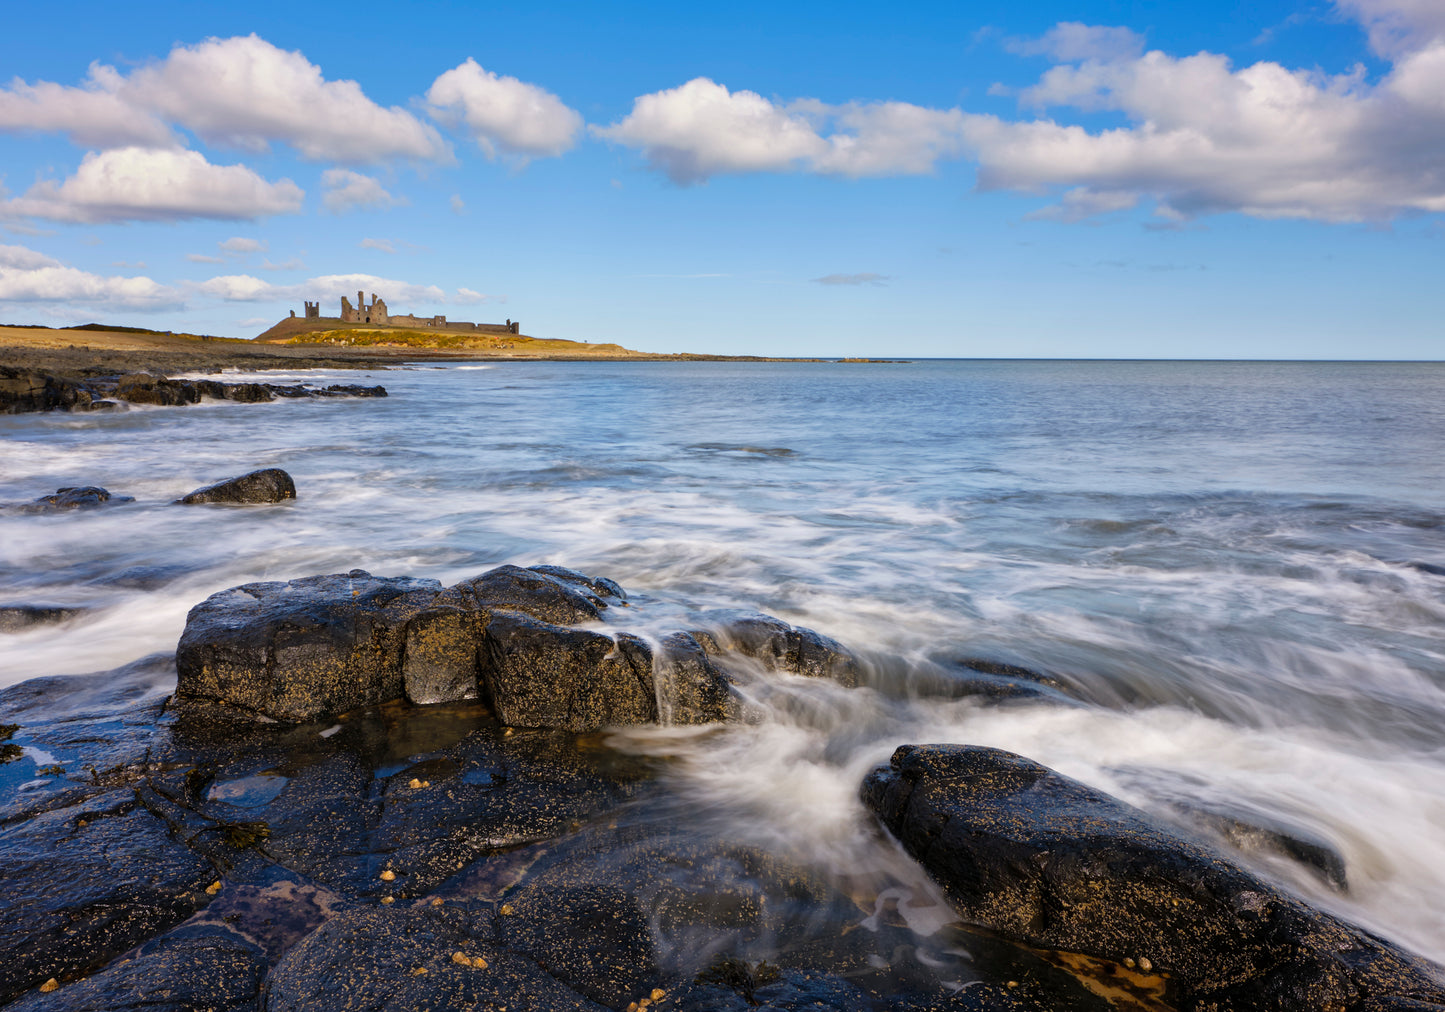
{"points": [[1052, 863], [265, 486], [325, 645]]}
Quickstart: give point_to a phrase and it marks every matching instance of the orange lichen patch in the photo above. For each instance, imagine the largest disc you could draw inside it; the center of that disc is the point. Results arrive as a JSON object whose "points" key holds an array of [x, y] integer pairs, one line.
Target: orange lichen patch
{"points": [[1124, 988]]}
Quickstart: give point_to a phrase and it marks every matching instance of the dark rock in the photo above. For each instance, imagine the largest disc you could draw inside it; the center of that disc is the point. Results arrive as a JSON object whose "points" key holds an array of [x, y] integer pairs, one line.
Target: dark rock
{"points": [[313, 647], [19, 617], [778, 646], [184, 971], [266, 486], [85, 883], [549, 593], [74, 498], [1052, 863], [143, 388], [405, 959], [439, 663], [351, 390], [689, 688], [541, 675], [248, 393]]}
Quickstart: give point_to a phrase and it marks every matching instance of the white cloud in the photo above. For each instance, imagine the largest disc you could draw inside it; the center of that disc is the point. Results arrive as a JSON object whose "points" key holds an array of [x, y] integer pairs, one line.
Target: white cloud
{"points": [[467, 297], [93, 115], [503, 112], [31, 277], [22, 258], [328, 288], [1207, 138], [204, 258], [241, 92], [347, 190], [293, 264], [700, 129], [136, 184], [241, 244], [380, 245], [1397, 27], [459, 206], [853, 279], [1070, 41], [1081, 204]]}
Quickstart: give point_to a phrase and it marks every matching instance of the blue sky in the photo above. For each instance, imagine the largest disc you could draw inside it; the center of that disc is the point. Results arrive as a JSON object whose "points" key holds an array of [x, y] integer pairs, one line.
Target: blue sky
{"points": [[1085, 179]]}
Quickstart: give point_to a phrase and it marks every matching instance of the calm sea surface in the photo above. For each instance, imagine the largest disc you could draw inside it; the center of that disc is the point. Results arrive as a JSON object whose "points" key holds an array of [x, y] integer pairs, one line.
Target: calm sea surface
{"points": [[1221, 561]]}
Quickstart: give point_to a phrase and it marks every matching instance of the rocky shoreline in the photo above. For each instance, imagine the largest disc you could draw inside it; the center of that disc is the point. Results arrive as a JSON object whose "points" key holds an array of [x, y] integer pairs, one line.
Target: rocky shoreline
{"points": [[24, 390], [384, 793]]}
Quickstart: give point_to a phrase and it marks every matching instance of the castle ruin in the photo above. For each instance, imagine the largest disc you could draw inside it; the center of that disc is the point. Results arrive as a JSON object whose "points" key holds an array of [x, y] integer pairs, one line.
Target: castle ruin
{"points": [[376, 313]]}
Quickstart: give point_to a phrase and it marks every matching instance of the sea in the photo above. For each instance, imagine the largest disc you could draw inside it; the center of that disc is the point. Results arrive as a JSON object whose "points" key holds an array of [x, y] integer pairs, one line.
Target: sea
{"points": [[1234, 572]]}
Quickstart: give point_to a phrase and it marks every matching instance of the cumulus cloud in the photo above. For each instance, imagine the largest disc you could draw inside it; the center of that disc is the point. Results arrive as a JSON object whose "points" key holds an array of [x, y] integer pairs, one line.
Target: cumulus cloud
{"points": [[1205, 137], [702, 129], [241, 92], [241, 244], [327, 288], [31, 277], [503, 113], [139, 184], [853, 279], [467, 297], [93, 114], [1398, 27], [347, 190], [1071, 41]]}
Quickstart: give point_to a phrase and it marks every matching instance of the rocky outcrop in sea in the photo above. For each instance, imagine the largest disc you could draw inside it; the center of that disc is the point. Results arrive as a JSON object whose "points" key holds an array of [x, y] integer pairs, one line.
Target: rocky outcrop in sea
{"points": [[384, 793], [23, 390]]}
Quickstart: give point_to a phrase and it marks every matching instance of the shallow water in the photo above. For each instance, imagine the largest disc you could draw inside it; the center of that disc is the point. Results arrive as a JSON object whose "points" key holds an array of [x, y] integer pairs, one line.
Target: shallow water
{"points": [[1218, 559]]}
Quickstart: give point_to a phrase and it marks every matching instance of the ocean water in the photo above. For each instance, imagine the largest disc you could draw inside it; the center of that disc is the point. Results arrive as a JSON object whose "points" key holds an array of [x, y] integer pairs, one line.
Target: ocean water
{"points": [[1227, 566]]}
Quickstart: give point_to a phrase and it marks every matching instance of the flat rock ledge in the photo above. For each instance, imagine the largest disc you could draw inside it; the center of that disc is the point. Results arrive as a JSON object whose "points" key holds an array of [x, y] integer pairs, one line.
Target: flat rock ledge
{"points": [[23, 391], [1051, 863], [524, 641]]}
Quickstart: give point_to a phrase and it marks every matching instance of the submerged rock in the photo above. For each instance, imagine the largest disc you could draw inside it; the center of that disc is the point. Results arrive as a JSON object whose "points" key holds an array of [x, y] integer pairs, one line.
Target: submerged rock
{"points": [[76, 497], [778, 646], [19, 617], [269, 485], [1052, 863]]}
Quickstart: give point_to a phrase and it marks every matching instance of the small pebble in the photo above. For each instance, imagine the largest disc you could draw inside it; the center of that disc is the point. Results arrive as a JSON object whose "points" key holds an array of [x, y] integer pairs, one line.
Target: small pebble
{"points": [[1129, 962], [213, 888], [388, 875], [1144, 964], [437, 901], [415, 784], [420, 971], [1013, 983], [507, 909], [507, 733], [632, 1007], [658, 994], [388, 899], [50, 985]]}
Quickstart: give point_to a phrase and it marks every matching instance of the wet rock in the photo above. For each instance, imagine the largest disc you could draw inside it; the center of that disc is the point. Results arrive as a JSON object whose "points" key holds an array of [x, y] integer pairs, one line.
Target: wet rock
{"points": [[402, 958], [351, 390], [19, 617], [270, 485], [87, 882], [549, 593], [305, 649], [74, 498], [325, 645], [1052, 863], [185, 971], [143, 388], [542, 675], [778, 646], [247, 393], [616, 958]]}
